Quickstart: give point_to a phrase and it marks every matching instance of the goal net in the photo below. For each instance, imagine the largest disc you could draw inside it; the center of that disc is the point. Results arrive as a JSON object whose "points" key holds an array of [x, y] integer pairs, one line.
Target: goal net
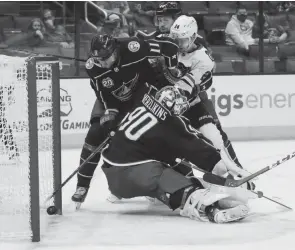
{"points": [[30, 153]]}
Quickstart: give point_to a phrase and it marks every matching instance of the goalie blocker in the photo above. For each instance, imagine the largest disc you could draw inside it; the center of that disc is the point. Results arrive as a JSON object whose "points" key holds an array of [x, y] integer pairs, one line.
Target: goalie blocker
{"points": [[150, 137]]}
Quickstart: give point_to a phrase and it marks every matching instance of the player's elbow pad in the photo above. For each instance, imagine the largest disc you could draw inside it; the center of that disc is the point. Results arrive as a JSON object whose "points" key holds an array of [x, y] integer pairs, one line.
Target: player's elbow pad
{"points": [[206, 81]]}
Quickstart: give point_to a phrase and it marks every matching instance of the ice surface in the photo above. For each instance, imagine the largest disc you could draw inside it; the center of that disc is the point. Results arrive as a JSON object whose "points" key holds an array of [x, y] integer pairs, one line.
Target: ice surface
{"points": [[135, 224]]}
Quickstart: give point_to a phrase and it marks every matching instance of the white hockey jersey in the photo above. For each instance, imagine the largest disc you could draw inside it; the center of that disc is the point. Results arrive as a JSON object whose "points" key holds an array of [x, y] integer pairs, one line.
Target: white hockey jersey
{"points": [[196, 70]]}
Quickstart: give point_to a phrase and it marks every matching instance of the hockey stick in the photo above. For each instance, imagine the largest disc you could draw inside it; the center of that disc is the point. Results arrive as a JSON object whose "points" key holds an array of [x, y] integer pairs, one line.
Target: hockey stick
{"points": [[98, 149], [237, 183], [218, 180]]}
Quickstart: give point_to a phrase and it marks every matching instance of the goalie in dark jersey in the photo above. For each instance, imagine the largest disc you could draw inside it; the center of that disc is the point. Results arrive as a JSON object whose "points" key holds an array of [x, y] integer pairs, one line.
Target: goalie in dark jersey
{"points": [[140, 155], [118, 69]]}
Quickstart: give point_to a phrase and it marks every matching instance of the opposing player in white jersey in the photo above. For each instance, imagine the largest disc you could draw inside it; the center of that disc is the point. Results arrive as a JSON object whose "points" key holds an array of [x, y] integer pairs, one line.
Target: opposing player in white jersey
{"points": [[194, 76], [166, 14]]}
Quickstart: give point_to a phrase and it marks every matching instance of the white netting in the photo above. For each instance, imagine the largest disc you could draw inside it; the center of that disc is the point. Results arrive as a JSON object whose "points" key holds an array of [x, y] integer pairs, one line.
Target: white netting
{"points": [[15, 201]]}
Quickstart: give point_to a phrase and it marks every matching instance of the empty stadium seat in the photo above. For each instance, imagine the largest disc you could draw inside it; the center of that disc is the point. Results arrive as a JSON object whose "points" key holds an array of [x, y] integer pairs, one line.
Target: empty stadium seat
{"points": [[252, 66], [86, 28], [194, 7], [291, 19], [279, 19], [216, 22], [224, 67], [222, 7], [214, 27], [291, 35], [67, 52], [251, 6], [9, 8], [290, 65], [286, 50], [225, 52], [52, 50], [84, 51], [270, 50], [239, 66], [6, 22]]}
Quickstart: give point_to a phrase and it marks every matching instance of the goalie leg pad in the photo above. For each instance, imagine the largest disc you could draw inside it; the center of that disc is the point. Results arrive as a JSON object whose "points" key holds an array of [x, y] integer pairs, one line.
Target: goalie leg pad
{"points": [[196, 204], [217, 204], [151, 179], [235, 213]]}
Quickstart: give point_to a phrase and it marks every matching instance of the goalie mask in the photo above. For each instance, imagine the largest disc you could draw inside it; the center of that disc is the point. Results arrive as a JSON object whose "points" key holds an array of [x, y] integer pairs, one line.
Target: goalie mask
{"points": [[103, 50], [172, 99], [185, 31]]}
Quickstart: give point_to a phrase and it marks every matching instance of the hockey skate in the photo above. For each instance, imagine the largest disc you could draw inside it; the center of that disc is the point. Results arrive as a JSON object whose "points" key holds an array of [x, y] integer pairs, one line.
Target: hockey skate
{"points": [[113, 198], [79, 196]]}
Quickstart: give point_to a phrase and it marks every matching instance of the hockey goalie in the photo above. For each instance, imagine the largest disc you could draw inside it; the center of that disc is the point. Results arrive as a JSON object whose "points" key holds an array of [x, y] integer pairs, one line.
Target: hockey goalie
{"points": [[140, 158]]}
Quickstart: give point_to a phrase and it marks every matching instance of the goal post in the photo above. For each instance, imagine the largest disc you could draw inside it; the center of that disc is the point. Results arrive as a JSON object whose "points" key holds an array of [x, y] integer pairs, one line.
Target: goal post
{"points": [[30, 151]]}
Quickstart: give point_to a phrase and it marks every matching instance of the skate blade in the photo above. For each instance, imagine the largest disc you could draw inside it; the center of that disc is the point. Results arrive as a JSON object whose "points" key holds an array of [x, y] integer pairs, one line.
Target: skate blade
{"points": [[78, 205], [113, 199]]}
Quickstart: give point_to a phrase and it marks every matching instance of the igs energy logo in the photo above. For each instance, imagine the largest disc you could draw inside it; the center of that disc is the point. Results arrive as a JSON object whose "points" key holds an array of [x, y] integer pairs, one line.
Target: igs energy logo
{"points": [[225, 104]]}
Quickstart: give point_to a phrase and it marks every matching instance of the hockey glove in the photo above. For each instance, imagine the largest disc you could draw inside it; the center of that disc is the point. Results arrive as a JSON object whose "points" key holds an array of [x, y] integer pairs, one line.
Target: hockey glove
{"points": [[108, 120]]}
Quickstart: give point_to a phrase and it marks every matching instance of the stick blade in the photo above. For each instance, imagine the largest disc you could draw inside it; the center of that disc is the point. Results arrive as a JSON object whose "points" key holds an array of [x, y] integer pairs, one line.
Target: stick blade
{"points": [[214, 179]]}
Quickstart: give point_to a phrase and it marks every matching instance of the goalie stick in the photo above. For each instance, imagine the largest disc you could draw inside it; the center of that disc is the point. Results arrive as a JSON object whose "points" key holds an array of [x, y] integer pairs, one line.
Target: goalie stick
{"points": [[237, 183], [218, 180], [98, 149]]}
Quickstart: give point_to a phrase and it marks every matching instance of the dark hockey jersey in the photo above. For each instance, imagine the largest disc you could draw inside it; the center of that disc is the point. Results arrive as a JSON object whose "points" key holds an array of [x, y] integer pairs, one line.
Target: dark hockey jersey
{"points": [[150, 133], [115, 86]]}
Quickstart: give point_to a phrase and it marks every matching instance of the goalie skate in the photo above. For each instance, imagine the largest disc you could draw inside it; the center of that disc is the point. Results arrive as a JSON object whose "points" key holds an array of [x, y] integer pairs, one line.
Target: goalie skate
{"points": [[79, 196], [228, 215]]}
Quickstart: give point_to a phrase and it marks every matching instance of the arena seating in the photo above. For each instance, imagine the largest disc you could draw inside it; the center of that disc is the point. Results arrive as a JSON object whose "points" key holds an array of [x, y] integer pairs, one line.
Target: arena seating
{"points": [[212, 18]]}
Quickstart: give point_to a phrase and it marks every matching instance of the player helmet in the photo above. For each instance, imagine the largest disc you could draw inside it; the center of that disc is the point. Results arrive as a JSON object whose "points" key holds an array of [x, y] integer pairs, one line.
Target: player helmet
{"points": [[185, 31], [172, 99], [102, 47]]}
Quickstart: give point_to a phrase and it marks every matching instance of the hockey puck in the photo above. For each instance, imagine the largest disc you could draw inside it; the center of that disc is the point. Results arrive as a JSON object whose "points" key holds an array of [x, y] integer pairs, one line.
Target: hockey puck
{"points": [[51, 210]]}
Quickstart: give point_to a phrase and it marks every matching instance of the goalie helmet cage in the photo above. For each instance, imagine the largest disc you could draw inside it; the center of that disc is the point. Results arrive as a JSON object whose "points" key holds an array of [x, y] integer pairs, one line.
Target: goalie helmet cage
{"points": [[34, 171]]}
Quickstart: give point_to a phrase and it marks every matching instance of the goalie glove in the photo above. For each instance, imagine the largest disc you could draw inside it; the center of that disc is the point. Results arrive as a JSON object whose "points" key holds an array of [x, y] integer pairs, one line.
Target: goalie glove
{"points": [[108, 120]]}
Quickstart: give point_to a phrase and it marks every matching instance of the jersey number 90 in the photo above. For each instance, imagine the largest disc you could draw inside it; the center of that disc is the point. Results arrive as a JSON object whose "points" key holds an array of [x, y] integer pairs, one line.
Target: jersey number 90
{"points": [[137, 123]]}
